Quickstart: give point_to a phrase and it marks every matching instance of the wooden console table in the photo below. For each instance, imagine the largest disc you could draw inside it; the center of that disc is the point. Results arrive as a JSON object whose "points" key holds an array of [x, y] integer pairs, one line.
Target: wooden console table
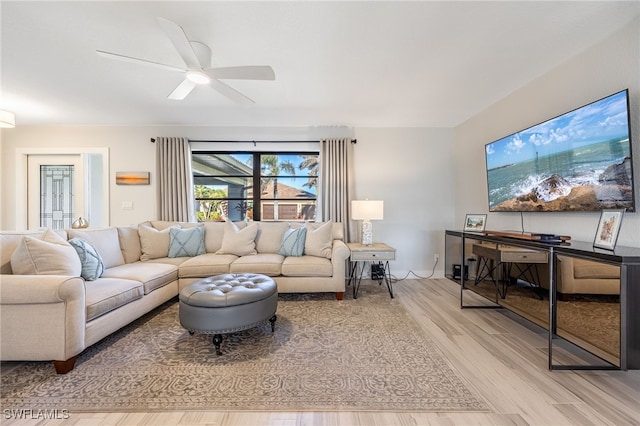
{"points": [[626, 258]]}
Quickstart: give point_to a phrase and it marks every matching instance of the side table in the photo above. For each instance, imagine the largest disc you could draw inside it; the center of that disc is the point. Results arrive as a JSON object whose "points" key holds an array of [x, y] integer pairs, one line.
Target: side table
{"points": [[376, 253]]}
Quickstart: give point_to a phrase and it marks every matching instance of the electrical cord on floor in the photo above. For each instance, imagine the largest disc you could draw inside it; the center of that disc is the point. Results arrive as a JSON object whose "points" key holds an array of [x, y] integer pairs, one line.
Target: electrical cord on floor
{"points": [[395, 280]]}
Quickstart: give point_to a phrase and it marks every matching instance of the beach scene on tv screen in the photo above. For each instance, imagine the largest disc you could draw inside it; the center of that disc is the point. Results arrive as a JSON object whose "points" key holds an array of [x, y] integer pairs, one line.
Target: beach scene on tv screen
{"points": [[579, 161]]}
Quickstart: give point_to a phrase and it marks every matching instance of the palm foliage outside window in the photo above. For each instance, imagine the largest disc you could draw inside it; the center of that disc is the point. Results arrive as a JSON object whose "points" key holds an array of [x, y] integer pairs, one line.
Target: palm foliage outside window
{"points": [[225, 185]]}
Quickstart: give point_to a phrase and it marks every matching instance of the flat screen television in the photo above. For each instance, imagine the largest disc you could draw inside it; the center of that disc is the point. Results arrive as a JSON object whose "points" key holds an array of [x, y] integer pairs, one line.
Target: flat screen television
{"points": [[578, 161]]}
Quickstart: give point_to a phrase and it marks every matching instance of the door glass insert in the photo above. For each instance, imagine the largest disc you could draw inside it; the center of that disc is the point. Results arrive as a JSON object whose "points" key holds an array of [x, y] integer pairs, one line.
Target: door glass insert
{"points": [[56, 196]]}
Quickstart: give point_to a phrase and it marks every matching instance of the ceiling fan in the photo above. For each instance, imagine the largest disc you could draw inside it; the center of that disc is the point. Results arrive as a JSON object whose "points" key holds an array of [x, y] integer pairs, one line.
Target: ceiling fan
{"points": [[198, 71]]}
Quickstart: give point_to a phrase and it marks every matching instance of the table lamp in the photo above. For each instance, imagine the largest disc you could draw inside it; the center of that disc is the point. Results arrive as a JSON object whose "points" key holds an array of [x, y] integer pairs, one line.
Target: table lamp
{"points": [[366, 211]]}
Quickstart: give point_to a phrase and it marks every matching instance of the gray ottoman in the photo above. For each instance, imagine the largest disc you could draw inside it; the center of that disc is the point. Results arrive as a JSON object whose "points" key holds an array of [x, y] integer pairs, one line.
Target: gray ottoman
{"points": [[228, 303]]}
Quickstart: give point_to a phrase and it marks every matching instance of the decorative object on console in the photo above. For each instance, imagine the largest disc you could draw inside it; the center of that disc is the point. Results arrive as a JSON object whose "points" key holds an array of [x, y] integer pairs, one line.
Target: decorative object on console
{"points": [[531, 236], [608, 229], [475, 222], [80, 223], [366, 211]]}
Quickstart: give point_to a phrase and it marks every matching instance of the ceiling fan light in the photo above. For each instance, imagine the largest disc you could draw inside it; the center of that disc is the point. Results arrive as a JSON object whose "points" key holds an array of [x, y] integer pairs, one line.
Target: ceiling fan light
{"points": [[7, 119], [198, 77]]}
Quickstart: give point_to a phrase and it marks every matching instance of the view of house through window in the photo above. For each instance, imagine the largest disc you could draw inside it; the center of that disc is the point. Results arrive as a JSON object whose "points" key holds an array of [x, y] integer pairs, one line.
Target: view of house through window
{"points": [[255, 186]]}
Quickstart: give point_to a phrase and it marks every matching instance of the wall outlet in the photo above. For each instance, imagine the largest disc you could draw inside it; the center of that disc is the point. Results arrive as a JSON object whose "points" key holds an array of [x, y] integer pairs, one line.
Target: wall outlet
{"points": [[127, 205], [436, 257]]}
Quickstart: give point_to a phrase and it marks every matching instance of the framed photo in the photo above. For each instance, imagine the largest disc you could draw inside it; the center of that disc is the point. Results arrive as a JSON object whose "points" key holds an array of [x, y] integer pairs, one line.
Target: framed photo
{"points": [[475, 222], [608, 229], [132, 178]]}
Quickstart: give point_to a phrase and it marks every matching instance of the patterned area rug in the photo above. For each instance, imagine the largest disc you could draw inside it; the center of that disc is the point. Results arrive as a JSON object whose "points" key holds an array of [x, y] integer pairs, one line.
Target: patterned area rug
{"points": [[364, 354]]}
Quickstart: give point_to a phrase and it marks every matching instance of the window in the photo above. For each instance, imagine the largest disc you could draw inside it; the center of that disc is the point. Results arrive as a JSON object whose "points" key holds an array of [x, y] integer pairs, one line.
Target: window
{"points": [[255, 186]]}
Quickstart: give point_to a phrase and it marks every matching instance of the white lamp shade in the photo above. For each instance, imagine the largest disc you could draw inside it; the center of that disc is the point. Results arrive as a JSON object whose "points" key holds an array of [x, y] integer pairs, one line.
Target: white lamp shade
{"points": [[367, 210], [7, 119]]}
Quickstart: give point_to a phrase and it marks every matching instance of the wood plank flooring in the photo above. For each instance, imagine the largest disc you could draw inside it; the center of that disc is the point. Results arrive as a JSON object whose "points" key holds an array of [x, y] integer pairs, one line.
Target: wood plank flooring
{"points": [[502, 357]]}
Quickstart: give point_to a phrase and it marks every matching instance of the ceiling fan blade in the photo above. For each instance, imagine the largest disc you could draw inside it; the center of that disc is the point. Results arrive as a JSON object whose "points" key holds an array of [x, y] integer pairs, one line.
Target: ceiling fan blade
{"points": [[257, 72], [183, 89], [180, 41], [230, 92], [137, 61]]}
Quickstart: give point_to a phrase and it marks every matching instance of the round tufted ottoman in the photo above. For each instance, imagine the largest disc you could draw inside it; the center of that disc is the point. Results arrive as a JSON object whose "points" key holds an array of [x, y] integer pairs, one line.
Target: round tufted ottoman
{"points": [[227, 303]]}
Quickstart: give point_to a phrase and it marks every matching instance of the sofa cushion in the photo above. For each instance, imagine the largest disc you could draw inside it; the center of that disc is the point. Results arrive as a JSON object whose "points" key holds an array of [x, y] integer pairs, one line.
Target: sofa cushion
{"points": [[105, 241], [293, 242], [49, 255], [214, 232], [307, 266], [129, 243], [240, 242], [269, 264], [151, 275], [9, 240], [206, 265], [269, 236], [153, 242], [91, 263], [106, 294], [186, 242], [588, 269], [319, 241]]}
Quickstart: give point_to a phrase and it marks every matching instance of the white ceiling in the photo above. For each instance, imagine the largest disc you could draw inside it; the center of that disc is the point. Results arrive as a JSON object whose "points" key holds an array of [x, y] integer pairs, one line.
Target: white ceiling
{"points": [[362, 63]]}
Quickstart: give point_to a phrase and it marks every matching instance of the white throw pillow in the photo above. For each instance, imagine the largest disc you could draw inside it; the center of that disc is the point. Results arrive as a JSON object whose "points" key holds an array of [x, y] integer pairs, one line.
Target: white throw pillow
{"points": [[154, 243], [318, 241], [240, 242], [50, 255]]}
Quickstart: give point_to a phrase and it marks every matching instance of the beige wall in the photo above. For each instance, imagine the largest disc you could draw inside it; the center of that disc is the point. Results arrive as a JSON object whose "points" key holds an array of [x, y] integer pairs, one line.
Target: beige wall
{"points": [[608, 67], [410, 169]]}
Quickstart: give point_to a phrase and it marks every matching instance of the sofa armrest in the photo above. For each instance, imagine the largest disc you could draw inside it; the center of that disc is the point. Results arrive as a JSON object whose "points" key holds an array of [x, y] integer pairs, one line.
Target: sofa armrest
{"points": [[42, 317], [36, 289], [339, 254], [339, 251]]}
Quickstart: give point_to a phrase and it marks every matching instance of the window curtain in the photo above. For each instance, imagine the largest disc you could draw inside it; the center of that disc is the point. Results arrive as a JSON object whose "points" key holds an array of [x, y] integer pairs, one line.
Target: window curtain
{"points": [[335, 186], [175, 180]]}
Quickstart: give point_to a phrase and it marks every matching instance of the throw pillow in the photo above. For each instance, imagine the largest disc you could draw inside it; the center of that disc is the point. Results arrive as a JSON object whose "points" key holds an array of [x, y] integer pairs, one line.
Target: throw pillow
{"points": [[48, 255], [154, 243], [293, 242], [105, 241], [186, 242], [240, 242], [318, 242], [90, 260]]}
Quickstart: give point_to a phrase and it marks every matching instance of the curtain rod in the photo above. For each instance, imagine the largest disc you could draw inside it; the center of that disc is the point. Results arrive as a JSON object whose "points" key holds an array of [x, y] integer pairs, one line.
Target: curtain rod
{"points": [[255, 142]]}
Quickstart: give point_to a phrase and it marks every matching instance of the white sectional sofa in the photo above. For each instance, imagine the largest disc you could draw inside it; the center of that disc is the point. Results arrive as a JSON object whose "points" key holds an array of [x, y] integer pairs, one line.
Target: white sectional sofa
{"points": [[53, 305]]}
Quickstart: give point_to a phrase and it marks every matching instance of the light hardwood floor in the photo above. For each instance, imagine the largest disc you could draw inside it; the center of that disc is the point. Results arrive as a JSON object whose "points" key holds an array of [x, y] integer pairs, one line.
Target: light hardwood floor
{"points": [[502, 357]]}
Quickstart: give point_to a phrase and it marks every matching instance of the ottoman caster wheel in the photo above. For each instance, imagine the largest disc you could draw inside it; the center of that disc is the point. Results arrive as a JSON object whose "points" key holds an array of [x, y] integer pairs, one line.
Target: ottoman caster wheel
{"points": [[191, 333], [217, 339]]}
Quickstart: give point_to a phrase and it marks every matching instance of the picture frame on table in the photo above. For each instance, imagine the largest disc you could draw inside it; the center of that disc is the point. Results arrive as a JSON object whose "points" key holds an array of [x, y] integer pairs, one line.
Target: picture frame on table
{"points": [[475, 222], [608, 229]]}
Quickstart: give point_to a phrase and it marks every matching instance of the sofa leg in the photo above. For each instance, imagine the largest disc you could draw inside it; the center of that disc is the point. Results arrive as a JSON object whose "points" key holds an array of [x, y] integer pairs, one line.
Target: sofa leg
{"points": [[339, 295], [63, 367]]}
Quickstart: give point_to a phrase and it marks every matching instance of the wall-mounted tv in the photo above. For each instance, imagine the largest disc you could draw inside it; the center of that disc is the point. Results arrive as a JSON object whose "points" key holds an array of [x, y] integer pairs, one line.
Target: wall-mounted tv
{"points": [[578, 161]]}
